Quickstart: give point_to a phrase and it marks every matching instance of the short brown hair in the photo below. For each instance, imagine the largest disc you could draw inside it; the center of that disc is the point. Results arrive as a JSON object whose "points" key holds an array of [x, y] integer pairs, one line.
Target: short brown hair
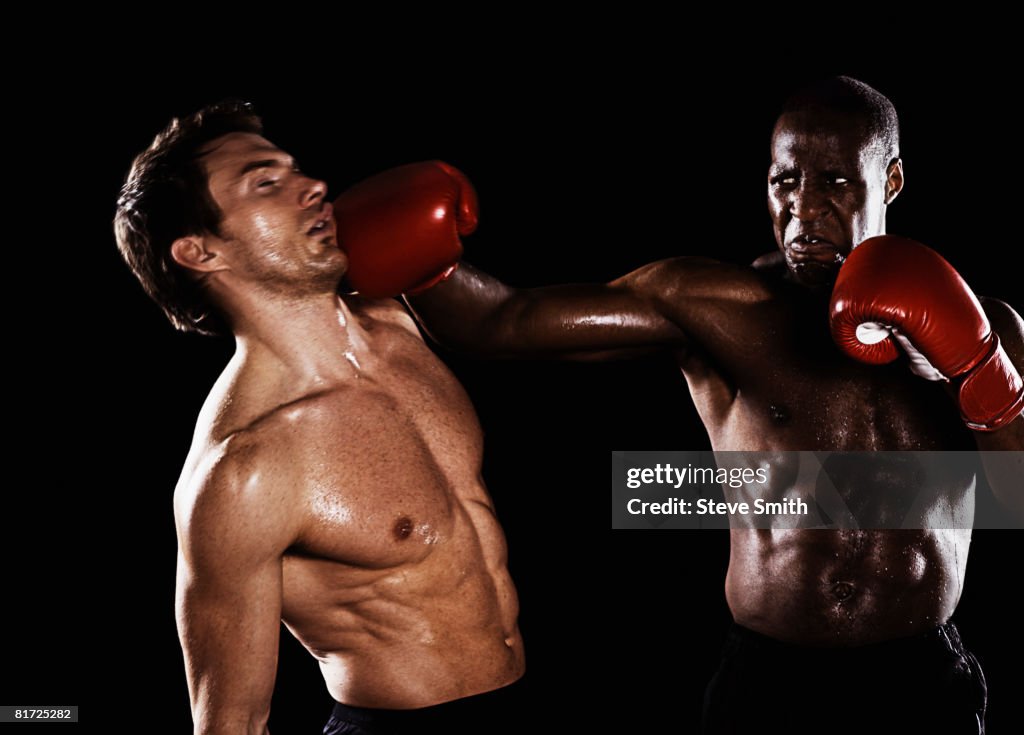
{"points": [[166, 196]]}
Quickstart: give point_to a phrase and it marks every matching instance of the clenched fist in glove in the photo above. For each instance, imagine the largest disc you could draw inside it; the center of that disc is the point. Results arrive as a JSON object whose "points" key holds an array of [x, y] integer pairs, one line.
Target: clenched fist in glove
{"points": [[401, 227], [893, 290]]}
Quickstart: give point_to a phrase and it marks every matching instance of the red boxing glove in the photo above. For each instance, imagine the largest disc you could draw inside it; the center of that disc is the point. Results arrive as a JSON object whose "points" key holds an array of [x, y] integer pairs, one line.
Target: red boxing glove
{"points": [[891, 289], [401, 227]]}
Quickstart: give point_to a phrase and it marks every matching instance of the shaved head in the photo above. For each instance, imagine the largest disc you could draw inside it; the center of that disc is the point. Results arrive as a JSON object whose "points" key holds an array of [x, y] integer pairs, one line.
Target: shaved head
{"points": [[844, 97]]}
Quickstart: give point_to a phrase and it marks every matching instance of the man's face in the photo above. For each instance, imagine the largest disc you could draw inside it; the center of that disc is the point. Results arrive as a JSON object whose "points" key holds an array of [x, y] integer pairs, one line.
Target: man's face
{"points": [[827, 192], [277, 228]]}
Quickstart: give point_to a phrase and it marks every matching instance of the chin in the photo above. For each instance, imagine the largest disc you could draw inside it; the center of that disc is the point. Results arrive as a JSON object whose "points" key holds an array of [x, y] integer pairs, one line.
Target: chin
{"points": [[815, 275], [326, 279]]}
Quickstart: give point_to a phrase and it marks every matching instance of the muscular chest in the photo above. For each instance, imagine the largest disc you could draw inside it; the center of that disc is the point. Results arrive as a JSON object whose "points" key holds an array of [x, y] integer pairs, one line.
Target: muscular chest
{"points": [[790, 387], [829, 401], [389, 460]]}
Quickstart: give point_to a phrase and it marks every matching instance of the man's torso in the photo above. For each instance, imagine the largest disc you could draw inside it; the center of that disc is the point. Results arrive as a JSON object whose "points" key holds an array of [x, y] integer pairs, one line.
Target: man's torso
{"points": [[765, 376], [397, 583]]}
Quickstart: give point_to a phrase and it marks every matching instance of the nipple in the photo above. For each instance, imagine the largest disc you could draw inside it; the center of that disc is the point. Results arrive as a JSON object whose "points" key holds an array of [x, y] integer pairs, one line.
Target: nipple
{"points": [[842, 590], [403, 527]]}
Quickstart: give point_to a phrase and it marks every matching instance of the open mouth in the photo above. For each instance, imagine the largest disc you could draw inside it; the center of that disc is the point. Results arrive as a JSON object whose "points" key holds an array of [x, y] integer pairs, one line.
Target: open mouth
{"points": [[322, 224], [809, 241]]}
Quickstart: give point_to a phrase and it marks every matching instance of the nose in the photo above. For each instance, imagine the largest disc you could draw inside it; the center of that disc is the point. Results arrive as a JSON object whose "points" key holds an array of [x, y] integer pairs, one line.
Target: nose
{"points": [[313, 192], [808, 202]]}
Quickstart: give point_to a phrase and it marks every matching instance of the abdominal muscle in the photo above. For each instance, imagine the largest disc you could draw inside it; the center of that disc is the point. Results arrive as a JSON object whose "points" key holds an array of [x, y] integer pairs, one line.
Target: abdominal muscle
{"points": [[414, 634], [845, 588]]}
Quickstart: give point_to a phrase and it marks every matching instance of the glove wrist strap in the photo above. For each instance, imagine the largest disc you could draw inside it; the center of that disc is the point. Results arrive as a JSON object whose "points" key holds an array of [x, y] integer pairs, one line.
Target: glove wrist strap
{"points": [[992, 394]]}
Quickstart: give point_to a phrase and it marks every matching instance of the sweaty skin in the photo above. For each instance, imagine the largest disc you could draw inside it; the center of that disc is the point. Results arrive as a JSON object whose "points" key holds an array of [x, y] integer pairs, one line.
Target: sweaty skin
{"points": [[334, 480], [755, 349], [395, 578]]}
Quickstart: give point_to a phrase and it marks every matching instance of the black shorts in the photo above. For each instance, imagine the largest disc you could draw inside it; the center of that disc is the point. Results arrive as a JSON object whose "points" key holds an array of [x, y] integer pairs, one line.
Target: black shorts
{"points": [[923, 684], [499, 711]]}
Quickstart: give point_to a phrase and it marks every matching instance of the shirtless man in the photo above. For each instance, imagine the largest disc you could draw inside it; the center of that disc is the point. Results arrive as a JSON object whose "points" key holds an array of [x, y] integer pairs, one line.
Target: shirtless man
{"points": [[832, 629], [334, 477]]}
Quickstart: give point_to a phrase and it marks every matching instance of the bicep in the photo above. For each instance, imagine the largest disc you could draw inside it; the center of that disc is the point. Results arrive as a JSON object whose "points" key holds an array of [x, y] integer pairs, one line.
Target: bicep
{"points": [[562, 320], [232, 539], [645, 310], [664, 305], [228, 618]]}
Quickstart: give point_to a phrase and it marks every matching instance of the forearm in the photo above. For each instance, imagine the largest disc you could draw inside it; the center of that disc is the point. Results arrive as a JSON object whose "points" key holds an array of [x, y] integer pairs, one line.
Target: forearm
{"points": [[224, 724], [223, 704], [462, 311], [1003, 449], [1010, 438], [229, 694], [1002, 457], [475, 312]]}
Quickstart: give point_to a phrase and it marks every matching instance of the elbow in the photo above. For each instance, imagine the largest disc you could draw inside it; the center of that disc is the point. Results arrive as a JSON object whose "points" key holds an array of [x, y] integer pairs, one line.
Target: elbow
{"points": [[231, 727], [235, 721]]}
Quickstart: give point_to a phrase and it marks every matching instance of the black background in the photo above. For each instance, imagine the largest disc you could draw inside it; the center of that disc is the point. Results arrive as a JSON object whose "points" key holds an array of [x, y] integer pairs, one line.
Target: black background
{"points": [[586, 168]]}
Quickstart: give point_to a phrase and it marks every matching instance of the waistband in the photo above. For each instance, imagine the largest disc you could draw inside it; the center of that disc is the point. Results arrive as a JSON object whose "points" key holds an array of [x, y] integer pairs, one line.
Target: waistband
{"points": [[464, 710], [944, 638]]}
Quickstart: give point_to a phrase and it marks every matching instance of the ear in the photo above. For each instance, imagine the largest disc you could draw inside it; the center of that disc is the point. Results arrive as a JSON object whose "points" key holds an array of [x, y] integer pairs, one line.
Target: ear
{"points": [[192, 252], [893, 180]]}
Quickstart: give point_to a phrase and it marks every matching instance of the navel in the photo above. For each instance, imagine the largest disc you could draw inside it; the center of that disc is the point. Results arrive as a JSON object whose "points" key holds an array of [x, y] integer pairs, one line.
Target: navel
{"points": [[842, 591], [403, 527], [778, 413]]}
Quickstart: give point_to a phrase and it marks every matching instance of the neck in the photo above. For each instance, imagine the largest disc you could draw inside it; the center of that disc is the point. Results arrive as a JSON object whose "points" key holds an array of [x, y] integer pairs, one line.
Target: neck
{"points": [[313, 339]]}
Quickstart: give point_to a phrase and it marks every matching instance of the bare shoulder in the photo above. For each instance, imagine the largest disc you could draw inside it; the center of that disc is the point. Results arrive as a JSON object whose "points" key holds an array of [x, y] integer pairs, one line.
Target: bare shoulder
{"points": [[1008, 324], [773, 261], [243, 491], [692, 277]]}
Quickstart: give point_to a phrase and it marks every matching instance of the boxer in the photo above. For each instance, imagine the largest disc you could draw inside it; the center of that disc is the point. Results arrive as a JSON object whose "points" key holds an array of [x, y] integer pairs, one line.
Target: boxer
{"points": [[834, 630], [333, 482]]}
